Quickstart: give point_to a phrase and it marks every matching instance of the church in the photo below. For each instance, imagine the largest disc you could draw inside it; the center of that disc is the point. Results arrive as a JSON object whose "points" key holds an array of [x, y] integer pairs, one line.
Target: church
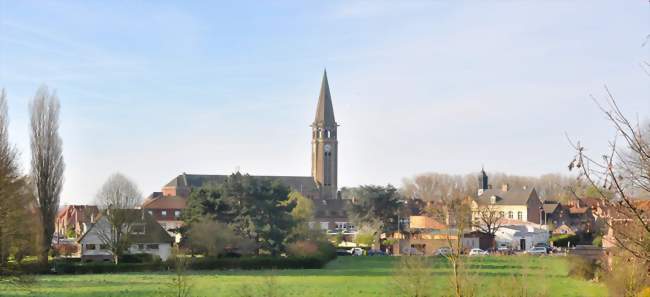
{"points": [[322, 186]]}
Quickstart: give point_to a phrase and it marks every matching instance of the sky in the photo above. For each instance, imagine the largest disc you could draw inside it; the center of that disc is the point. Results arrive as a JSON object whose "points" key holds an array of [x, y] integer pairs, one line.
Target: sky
{"points": [[153, 89]]}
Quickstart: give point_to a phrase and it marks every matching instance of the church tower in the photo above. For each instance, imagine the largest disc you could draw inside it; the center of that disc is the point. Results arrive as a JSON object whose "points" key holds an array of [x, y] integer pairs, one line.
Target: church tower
{"points": [[324, 145], [482, 182]]}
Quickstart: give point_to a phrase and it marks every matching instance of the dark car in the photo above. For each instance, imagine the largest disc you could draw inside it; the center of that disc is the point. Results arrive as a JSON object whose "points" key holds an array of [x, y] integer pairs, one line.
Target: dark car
{"points": [[377, 253]]}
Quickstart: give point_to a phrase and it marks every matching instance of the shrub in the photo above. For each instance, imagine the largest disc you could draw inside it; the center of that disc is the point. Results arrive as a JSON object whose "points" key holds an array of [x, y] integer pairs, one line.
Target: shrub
{"points": [[628, 276], [598, 241], [645, 292], [139, 258], [302, 248], [582, 268]]}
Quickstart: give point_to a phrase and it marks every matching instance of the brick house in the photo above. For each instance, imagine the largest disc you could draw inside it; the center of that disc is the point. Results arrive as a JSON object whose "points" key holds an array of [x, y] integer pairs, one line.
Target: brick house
{"points": [[73, 220]]}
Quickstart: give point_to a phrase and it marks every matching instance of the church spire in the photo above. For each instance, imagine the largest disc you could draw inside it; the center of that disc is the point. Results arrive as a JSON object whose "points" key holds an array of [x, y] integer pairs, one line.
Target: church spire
{"points": [[325, 110]]}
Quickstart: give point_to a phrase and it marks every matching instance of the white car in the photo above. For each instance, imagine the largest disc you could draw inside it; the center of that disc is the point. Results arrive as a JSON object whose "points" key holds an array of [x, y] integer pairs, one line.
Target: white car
{"points": [[356, 251], [443, 251], [538, 250], [478, 252]]}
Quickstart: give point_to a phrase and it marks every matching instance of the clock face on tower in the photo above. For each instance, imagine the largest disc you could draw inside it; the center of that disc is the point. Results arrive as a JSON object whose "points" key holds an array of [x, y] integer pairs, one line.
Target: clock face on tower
{"points": [[328, 148]]}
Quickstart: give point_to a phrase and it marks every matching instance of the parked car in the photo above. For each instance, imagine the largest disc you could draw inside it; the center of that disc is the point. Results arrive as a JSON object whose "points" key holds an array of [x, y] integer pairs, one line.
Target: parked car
{"points": [[343, 252], [504, 249], [377, 253], [544, 245], [443, 251], [356, 251], [478, 252], [538, 250], [412, 252]]}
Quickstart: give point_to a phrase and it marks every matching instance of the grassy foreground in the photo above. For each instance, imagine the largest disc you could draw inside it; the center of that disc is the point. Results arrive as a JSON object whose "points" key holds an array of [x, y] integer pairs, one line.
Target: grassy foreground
{"points": [[345, 276]]}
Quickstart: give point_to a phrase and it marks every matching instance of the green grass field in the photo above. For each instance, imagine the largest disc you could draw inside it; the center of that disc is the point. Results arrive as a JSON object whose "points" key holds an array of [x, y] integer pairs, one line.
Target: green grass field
{"points": [[345, 276]]}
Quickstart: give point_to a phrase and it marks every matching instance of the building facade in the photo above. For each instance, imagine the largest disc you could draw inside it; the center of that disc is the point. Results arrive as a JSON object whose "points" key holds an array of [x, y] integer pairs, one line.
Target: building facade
{"points": [[513, 204], [322, 186]]}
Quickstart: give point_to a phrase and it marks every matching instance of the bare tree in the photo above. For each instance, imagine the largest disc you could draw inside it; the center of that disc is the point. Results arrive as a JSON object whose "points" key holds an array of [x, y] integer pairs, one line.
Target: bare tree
{"points": [[456, 210], [488, 219], [47, 161], [179, 285], [620, 177], [412, 276], [117, 199]]}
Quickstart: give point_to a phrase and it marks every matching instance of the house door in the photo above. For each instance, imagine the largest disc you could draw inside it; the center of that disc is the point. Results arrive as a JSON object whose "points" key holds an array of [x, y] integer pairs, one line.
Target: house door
{"points": [[522, 244]]}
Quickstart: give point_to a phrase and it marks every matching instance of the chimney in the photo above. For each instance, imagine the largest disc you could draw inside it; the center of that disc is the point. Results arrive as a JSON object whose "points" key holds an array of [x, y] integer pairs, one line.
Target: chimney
{"points": [[505, 187]]}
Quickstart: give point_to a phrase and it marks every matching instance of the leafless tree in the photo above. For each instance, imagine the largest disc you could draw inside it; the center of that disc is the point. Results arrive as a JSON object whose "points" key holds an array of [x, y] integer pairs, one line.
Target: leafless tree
{"points": [[47, 161], [456, 209], [117, 199], [620, 176], [488, 219], [180, 285], [412, 276]]}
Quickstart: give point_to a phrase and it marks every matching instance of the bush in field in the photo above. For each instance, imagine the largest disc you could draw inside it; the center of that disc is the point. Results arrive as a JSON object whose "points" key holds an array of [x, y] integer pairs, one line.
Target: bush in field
{"points": [[412, 277], [628, 276], [645, 292], [583, 268], [302, 248]]}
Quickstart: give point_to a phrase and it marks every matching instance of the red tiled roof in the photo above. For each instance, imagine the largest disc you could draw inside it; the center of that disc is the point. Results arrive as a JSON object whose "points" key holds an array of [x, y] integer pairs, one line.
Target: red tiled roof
{"points": [[165, 202]]}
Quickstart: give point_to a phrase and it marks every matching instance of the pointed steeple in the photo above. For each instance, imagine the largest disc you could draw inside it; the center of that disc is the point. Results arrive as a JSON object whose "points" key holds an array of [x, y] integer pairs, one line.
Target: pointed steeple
{"points": [[325, 110]]}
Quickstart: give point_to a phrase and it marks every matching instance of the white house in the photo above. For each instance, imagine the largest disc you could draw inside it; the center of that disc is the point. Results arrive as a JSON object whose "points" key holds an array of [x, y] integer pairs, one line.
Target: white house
{"points": [[146, 237], [520, 235]]}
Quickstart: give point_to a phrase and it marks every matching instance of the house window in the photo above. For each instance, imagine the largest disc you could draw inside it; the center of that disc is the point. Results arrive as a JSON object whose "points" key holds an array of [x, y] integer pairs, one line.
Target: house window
{"points": [[103, 246], [90, 247], [177, 213], [137, 229], [152, 246], [520, 215], [502, 214], [510, 215], [341, 225], [163, 213], [141, 246], [150, 212], [325, 225]]}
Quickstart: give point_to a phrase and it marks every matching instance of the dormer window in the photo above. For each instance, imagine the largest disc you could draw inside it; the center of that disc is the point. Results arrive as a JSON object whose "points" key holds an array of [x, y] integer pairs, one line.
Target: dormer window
{"points": [[138, 229], [493, 199]]}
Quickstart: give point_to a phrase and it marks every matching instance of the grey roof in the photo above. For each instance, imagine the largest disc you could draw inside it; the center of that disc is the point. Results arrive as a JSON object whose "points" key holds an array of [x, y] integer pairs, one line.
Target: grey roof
{"points": [[330, 208], [510, 197], [154, 232], [550, 207], [325, 110], [304, 184]]}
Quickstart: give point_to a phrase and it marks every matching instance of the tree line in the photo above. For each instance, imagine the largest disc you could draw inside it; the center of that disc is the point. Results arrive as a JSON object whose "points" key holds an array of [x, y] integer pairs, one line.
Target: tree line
{"points": [[29, 202]]}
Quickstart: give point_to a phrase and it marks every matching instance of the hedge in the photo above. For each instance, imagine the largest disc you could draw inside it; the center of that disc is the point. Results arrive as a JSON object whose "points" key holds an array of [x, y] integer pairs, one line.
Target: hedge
{"points": [[245, 263]]}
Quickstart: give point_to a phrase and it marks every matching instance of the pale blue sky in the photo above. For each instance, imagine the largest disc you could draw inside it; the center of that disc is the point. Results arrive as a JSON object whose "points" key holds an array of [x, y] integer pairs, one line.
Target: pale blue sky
{"points": [[153, 89]]}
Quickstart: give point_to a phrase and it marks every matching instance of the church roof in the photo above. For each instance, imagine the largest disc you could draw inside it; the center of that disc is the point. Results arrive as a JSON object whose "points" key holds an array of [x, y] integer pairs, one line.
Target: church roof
{"points": [[325, 110], [304, 184]]}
